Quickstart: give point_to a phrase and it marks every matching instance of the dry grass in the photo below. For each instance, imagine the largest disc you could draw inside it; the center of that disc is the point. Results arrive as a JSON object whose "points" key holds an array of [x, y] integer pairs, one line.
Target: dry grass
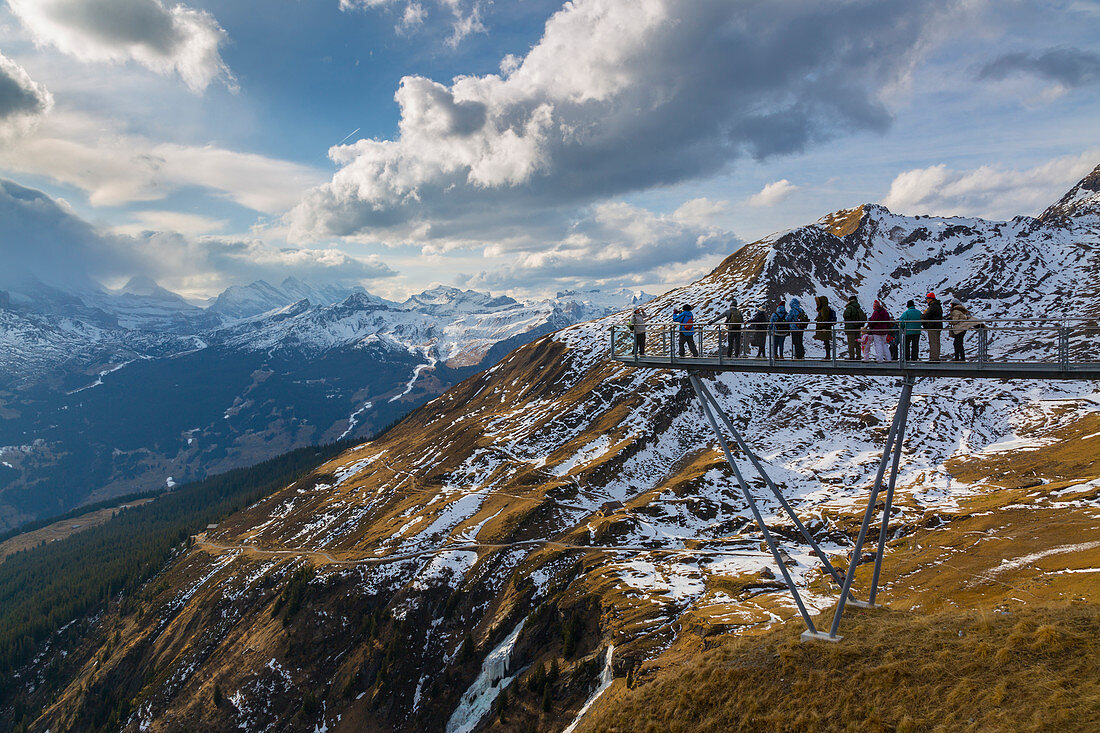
{"points": [[1036, 668], [62, 529]]}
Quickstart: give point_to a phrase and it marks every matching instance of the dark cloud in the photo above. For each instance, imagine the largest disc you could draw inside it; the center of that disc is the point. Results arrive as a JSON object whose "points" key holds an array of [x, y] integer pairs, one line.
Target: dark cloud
{"points": [[121, 22], [1070, 67], [20, 97]]}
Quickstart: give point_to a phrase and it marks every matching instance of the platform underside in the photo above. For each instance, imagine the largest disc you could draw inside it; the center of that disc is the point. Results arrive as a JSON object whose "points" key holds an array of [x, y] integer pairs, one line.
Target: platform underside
{"points": [[964, 369]]}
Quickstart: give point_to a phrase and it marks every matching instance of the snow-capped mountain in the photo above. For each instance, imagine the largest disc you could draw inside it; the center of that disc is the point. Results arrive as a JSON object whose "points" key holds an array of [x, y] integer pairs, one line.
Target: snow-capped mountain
{"points": [[128, 387], [244, 301], [563, 515]]}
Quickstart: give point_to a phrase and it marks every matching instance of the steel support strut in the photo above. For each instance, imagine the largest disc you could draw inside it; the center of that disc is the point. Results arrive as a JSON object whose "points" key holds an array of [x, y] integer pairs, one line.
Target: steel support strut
{"points": [[705, 393], [893, 438], [699, 390], [903, 408]]}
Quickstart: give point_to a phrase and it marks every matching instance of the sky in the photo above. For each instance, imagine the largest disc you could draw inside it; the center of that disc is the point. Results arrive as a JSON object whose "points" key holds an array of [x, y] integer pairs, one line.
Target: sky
{"points": [[519, 146]]}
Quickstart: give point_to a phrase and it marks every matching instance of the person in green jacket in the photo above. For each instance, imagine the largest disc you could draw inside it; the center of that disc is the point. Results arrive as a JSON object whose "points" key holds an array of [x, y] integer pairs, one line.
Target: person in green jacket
{"points": [[854, 319], [911, 325]]}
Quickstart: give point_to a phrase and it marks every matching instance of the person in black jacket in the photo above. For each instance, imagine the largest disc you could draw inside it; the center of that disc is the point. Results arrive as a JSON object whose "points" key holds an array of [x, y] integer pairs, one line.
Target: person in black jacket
{"points": [[932, 321], [854, 319], [758, 331]]}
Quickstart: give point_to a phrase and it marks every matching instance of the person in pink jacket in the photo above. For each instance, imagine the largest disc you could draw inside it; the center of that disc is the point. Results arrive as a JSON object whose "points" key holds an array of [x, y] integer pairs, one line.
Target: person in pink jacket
{"points": [[880, 325]]}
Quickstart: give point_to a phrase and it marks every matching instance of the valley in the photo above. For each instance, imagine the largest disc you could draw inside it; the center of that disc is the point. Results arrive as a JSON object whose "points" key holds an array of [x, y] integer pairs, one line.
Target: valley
{"points": [[471, 567]]}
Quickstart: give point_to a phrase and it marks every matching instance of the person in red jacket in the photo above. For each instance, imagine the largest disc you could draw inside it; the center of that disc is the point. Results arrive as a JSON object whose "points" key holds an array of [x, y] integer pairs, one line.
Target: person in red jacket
{"points": [[880, 325]]}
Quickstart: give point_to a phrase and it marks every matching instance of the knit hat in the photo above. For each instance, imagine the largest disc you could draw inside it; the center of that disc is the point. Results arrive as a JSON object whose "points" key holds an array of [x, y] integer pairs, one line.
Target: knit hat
{"points": [[878, 303], [910, 304], [930, 296], [852, 297]]}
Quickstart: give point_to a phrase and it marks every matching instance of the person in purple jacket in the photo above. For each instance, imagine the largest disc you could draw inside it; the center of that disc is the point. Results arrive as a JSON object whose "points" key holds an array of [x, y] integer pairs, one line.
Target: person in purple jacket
{"points": [[880, 325]]}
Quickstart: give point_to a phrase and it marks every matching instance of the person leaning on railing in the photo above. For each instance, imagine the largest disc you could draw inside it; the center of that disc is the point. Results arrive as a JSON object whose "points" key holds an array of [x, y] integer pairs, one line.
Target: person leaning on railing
{"points": [[880, 325], [960, 321], [758, 332], [733, 320], [932, 321], [797, 320], [854, 320], [637, 327], [777, 326], [911, 327], [826, 319], [686, 319]]}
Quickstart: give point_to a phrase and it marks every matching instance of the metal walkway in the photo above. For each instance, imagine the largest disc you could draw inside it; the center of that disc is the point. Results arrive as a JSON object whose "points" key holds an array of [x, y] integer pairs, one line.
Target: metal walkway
{"points": [[1025, 350]]}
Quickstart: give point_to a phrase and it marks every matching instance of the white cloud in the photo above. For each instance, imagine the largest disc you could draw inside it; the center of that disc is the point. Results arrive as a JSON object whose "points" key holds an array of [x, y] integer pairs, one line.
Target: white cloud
{"points": [[616, 97], [465, 15], [167, 40], [616, 244], [175, 221], [22, 100], [43, 236], [114, 168], [991, 192], [413, 17], [773, 193]]}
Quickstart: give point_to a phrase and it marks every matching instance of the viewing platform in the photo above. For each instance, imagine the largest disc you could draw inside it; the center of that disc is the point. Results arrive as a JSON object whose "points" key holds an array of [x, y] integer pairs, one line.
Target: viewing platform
{"points": [[1016, 349], [1003, 349]]}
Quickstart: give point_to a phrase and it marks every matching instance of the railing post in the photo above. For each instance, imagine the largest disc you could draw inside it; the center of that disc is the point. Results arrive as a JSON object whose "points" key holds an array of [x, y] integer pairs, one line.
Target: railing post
{"points": [[1063, 347], [983, 344], [672, 343], [832, 342]]}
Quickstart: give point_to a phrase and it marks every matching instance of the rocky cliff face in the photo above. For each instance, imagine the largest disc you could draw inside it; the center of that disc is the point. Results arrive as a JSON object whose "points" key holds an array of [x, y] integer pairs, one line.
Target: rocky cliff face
{"points": [[471, 566]]}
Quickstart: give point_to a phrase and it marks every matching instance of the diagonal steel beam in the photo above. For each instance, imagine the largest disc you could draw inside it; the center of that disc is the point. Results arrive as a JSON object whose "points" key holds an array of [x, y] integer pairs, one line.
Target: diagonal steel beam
{"points": [[903, 407], [894, 435], [771, 484], [752, 505]]}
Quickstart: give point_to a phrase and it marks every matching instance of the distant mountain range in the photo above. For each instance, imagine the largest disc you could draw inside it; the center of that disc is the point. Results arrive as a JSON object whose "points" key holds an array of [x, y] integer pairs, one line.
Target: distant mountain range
{"points": [[429, 579], [106, 392]]}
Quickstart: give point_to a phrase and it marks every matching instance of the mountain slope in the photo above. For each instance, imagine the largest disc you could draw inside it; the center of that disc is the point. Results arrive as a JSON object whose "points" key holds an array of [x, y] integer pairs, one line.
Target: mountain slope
{"points": [[406, 583], [111, 393]]}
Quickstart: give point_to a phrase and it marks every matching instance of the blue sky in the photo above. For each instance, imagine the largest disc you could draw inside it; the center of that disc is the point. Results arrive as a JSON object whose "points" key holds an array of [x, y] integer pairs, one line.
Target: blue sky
{"points": [[524, 146]]}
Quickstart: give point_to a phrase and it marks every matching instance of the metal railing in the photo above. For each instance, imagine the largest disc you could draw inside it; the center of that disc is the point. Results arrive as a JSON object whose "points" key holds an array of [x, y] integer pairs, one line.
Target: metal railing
{"points": [[1064, 342]]}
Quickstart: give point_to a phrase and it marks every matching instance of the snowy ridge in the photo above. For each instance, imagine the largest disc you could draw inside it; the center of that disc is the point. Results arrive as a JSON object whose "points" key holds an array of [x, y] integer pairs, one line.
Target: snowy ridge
{"points": [[490, 503]]}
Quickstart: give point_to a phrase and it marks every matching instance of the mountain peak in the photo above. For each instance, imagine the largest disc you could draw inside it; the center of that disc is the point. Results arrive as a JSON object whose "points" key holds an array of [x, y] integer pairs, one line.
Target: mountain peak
{"points": [[446, 298], [1080, 201], [141, 285], [844, 222]]}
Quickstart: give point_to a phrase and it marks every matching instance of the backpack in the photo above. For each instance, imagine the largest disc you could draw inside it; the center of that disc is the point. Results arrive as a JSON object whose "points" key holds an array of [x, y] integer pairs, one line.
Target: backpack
{"points": [[803, 319]]}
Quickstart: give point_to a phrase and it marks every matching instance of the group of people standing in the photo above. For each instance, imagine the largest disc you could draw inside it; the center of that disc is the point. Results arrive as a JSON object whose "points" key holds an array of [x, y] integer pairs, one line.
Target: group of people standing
{"points": [[879, 332]]}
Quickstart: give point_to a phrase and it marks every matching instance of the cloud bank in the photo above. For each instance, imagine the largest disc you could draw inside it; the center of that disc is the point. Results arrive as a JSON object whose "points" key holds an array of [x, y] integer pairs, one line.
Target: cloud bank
{"points": [[990, 192], [168, 40], [616, 97], [45, 238], [22, 100], [616, 239], [116, 169]]}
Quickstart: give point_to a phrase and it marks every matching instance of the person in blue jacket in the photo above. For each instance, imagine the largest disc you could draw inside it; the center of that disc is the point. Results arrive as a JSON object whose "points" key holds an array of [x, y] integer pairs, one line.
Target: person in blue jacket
{"points": [[778, 327], [797, 320], [686, 319]]}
